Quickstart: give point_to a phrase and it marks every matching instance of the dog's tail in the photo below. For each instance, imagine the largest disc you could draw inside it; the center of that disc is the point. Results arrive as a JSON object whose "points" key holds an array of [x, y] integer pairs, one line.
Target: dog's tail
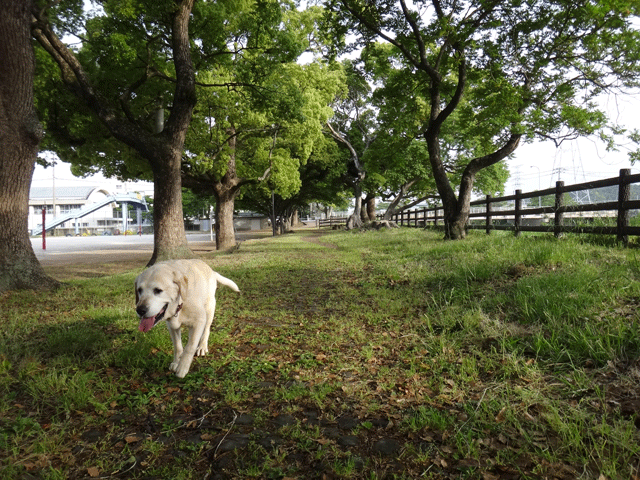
{"points": [[226, 282]]}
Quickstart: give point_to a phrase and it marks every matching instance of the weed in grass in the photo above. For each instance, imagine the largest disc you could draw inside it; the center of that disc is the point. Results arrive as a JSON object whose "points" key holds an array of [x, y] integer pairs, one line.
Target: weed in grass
{"points": [[467, 445], [291, 392], [345, 467], [428, 418], [234, 393], [63, 391]]}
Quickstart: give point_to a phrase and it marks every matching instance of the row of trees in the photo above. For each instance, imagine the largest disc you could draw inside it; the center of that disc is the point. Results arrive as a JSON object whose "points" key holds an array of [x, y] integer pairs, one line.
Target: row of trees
{"points": [[213, 96]]}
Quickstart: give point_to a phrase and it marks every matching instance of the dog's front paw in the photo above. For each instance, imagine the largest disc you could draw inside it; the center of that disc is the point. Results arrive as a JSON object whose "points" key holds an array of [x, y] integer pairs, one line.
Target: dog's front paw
{"points": [[202, 351], [182, 370], [174, 366]]}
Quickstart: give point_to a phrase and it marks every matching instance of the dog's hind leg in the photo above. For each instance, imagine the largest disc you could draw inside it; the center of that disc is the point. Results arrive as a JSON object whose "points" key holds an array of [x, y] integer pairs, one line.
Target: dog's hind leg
{"points": [[203, 344]]}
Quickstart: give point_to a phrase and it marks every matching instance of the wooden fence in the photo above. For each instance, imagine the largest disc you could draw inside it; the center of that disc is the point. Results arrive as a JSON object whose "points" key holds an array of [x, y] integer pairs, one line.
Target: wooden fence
{"points": [[558, 219], [331, 222]]}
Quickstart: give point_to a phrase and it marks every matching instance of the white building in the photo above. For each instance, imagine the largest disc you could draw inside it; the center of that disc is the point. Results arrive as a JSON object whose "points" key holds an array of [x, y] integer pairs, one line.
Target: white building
{"points": [[70, 202]]}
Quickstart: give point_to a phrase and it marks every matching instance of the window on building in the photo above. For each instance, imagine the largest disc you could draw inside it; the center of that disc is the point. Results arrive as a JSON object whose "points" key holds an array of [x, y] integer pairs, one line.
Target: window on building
{"points": [[37, 209], [65, 209]]}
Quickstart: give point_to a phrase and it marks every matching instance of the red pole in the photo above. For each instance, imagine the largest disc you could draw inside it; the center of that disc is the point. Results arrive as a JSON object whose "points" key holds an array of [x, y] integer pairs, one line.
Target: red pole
{"points": [[44, 236]]}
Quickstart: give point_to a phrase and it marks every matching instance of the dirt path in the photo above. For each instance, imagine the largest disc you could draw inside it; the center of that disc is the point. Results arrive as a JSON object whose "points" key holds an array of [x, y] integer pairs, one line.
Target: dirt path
{"points": [[315, 238]]}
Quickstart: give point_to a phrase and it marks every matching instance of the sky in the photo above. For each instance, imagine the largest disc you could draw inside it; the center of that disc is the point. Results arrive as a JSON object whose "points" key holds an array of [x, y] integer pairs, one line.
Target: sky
{"points": [[586, 159], [44, 177]]}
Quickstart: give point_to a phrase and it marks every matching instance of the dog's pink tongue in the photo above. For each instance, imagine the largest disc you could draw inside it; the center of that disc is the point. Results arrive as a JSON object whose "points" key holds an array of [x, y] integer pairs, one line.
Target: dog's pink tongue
{"points": [[146, 324]]}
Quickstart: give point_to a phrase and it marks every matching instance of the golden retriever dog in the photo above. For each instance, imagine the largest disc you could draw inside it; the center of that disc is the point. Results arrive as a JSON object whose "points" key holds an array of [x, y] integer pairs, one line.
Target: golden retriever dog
{"points": [[180, 292]]}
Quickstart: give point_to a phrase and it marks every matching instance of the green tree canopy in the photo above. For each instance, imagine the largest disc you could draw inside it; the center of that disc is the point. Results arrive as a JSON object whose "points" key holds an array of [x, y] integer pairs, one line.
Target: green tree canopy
{"points": [[137, 70], [496, 74], [261, 135]]}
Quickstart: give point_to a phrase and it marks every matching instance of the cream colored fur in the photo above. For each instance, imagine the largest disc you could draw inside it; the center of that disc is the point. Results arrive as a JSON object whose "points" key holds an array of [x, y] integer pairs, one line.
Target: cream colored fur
{"points": [[180, 293]]}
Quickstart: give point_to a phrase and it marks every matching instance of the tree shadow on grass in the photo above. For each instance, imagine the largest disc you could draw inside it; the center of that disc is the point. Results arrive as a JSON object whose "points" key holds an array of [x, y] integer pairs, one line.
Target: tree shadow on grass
{"points": [[90, 344]]}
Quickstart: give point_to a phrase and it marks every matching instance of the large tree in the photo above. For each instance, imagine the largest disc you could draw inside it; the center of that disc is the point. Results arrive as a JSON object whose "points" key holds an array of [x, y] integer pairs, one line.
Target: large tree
{"points": [[517, 70], [321, 182], [129, 52], [260, 135], [236, 48], [20, 134], [398, 165], [353, 128]]}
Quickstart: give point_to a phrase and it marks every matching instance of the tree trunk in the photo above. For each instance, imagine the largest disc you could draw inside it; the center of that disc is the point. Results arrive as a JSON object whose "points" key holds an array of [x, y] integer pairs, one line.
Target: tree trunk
{"points": [[457, 210], [356, 174], [354, 220], [370, 207], [455, 225], [20, 134], [169, 237], [225, 192], [225, 231], [287, 221]]}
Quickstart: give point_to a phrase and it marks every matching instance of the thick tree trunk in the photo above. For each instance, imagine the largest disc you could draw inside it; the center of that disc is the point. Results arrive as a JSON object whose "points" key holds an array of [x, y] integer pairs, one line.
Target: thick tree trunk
{"points": [[225, 232], [457, 209], [225, 192], [20, 134], [370, 207], [455, 225], [286, 225], [354, 220], [457, 214], [169, 237]]}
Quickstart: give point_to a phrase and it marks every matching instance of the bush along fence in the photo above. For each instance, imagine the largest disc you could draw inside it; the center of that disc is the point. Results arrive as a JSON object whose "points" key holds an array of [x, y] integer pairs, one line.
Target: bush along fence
{"points": [[563, 216]]}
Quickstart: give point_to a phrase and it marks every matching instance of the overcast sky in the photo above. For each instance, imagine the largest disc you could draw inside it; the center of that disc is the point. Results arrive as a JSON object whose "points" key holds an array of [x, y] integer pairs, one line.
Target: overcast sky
{"points": [[577, 161], [43, 177]]}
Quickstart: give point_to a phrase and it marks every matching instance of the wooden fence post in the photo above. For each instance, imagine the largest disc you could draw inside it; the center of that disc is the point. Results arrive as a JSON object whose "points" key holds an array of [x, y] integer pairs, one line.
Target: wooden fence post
{"points": [[488, 209], [559, 215], [435, 217], [518, 215], [623, 213]]}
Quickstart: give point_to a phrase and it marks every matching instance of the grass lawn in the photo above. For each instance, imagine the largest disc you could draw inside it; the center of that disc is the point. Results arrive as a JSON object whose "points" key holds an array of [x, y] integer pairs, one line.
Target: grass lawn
{"points": [[370, 355]]}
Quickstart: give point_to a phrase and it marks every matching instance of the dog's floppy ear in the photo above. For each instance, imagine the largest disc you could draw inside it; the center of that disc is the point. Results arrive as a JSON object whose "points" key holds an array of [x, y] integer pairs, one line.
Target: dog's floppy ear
{"points": [[180, 279], [135, 287]]}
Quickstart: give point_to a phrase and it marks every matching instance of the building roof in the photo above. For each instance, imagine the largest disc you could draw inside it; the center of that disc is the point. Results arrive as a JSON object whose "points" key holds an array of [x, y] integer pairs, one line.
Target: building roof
{"points": [[69, 193]]}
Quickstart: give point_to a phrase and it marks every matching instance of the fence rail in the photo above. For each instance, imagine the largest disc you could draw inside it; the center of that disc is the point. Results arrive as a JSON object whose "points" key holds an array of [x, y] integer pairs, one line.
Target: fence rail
{"points": [[561, 217], [558, 219], [331, 222]]}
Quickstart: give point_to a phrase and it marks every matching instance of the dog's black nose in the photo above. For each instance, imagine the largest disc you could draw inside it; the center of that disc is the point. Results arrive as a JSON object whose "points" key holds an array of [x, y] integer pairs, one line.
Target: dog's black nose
{"points": [[141, 310]]}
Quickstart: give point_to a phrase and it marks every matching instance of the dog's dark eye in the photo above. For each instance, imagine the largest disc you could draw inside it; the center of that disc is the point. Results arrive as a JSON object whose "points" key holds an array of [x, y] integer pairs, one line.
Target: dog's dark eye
{"points": [[157, 291]]}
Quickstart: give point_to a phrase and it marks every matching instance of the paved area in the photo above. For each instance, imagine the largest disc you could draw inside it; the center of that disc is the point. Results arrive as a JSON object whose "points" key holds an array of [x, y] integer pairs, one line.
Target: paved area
{"points": [[105, 249]]}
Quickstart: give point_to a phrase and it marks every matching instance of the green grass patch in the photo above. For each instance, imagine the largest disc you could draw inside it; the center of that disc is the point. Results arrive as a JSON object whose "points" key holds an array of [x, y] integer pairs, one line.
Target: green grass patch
{"points": [[393, 355]]}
